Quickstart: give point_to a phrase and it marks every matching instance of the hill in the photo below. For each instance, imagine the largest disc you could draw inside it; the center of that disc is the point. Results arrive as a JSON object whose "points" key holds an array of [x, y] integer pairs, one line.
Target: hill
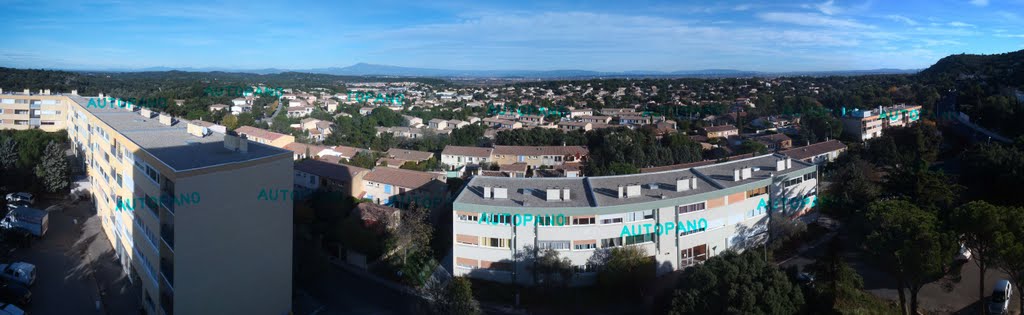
{"points": [[1005, 69]]}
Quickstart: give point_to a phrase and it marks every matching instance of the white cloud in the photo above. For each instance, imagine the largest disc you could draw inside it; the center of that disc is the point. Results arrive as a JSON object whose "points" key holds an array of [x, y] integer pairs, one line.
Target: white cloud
{"points": [[960, 24], [811, 19], [1010, 35], [941, 42], [902, 19], [979, 3], [742, 7], [828, 7]]}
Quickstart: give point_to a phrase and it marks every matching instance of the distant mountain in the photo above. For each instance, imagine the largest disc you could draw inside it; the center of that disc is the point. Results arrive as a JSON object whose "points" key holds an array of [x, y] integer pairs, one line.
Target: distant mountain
{"points": [[367, 69], [1001, 69]]}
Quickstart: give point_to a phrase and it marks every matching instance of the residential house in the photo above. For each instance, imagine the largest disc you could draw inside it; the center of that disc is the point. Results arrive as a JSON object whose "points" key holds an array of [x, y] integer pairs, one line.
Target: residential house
{"points": [[409, 155], [312, 175], [216, 107], [723, 131], [300, 111], [383, 184], [438, 124], [265, 136], [574, 125], [818, 153], [459, 156], [774, 142], [536, 156], [596, 119]]}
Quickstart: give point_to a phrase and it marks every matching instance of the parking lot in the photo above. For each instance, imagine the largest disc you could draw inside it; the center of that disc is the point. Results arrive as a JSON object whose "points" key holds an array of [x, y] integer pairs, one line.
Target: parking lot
{"points": [[75, 265]]}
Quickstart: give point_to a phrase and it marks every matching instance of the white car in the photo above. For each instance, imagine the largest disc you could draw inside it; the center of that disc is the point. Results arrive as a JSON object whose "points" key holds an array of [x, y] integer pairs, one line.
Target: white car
{"points": [[999, 303], [21, 197], [965, 253], [20, 272], [10, 309]]}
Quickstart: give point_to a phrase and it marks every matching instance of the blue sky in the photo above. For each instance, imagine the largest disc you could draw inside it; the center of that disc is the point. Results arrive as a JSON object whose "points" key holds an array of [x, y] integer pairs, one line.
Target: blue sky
{"points": [[526, 35]]}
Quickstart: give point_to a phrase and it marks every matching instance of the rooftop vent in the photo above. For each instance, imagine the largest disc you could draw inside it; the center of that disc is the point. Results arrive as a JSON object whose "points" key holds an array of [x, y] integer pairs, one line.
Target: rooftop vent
{"points": [[28, 92], [487, 192], [197, 130], [146, 112], [735, 174], [500, 193], [74, 92], [565, 194], [745, 173], [633, 191], [780, 165], [166, 120], [553, 194], [684, 184], [652, 186]]}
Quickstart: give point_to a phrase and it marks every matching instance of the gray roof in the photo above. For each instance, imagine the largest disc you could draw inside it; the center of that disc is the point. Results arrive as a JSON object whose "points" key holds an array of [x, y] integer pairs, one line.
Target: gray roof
{"points": [[173, 145], [602, 191]]}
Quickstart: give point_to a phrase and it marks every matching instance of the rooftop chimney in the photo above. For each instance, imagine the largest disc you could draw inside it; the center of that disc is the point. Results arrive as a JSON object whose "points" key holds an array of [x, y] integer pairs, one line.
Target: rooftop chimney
{"points": [[500, 193], [47, 91], [243, 144], [735, 174], [146, 112], [74, 92], [780, 165], [682, 184], [166, 119], [28, 92], [745, 173], [197, 130], [693, 183], [633, 191], [231, 141], [789, 163], [487, 192], [553, 194], [101, 95], [565, 194], [622, 194]]}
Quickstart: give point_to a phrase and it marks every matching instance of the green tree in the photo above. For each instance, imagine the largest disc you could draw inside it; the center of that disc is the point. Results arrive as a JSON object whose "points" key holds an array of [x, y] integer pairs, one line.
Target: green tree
{"points": [[8, 153], [548, 269], [908, 243], [623, 269], [408, 245], [1011, 249], [230, 122], [53, 169], [980, 224], [732, 283], [750, 146], [454, 298]]}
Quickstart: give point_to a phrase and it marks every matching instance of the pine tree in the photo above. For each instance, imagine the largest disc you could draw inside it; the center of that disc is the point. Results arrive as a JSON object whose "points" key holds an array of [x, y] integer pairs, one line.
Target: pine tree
{"points": [[53, 169], [8, 154]]}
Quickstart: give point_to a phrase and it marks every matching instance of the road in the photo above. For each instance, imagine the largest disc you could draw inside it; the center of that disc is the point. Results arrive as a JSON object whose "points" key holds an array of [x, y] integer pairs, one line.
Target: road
{"points": [[341, 292], [74, 262]]}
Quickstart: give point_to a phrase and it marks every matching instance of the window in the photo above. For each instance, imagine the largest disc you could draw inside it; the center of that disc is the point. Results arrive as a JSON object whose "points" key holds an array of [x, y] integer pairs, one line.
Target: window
{"points": [[501, 219], [691, 207], [556, 245], [757, 191], [611, 220], [588, 268], [640, 238], [312, 179], [692, 256], [496, 242], [585, 246], [792, 182], [469, 217], [611, 242], [639, 215], [47, 123], [693, 231], [811, 175], [583, 220]]}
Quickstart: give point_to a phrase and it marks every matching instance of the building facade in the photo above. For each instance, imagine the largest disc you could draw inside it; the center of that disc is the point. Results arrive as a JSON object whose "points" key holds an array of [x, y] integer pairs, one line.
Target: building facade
{"points": [[868, 124], [678, 217], [173, 198]]}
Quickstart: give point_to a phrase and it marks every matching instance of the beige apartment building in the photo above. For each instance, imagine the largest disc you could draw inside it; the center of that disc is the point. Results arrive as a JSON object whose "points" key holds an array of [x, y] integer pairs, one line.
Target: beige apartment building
{"points": [[179, 203]]}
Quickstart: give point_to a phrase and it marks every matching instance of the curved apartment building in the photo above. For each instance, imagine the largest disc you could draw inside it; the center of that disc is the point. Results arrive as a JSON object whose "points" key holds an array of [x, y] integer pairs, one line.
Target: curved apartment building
{"points": [[679, 217]]}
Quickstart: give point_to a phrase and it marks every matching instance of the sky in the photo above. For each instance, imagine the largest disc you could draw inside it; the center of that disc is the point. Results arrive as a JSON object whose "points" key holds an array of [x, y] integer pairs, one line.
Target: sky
{"points": [[515, 35]]}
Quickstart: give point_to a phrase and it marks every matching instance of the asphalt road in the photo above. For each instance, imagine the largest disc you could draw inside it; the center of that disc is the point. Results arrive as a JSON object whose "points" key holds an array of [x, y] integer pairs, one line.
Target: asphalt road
{"points": [[73, 262], [338, 291]]}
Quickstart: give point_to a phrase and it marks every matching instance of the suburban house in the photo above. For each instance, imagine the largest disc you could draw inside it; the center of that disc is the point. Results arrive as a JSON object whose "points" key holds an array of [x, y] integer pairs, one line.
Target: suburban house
{"points": [[315, 175], [265, 136], [723, 131], [459, 156], [774, 142], [538, 155], [409, 155], [818, 153], [387, 186], [216, 107]]}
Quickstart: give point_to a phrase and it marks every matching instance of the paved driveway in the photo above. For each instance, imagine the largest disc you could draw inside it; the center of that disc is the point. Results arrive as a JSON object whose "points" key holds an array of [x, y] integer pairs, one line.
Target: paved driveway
{"points": [[74, 264]]}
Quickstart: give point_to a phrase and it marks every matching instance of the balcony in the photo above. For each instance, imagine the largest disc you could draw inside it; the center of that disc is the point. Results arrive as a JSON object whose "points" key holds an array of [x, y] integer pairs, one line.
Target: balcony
{"points": [[167, 303], [167, 271], [167, 234], [167, 200]]}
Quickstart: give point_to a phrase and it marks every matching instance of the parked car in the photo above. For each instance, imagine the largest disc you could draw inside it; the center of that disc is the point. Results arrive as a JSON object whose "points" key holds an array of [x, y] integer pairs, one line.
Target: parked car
{"points": [[20, 272], [999, 302], [12, 292], [11, 309], [964, 254], [21, 197]]}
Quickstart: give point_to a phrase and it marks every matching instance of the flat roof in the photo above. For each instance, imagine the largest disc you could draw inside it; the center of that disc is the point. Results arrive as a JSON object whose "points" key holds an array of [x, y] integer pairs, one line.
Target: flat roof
{"points": [[602, 191], [173, 145]]}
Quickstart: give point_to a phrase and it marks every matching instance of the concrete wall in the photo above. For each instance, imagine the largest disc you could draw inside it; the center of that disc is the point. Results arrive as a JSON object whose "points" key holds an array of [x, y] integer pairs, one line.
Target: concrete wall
{"points": [[233, 252]]}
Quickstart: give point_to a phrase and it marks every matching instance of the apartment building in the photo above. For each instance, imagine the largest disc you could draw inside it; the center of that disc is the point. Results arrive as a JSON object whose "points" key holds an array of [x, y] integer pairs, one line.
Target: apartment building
{"points": [[536, 156], [42, 110], [265, 136], [179, 204], [868, 124], [679, 217]]}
